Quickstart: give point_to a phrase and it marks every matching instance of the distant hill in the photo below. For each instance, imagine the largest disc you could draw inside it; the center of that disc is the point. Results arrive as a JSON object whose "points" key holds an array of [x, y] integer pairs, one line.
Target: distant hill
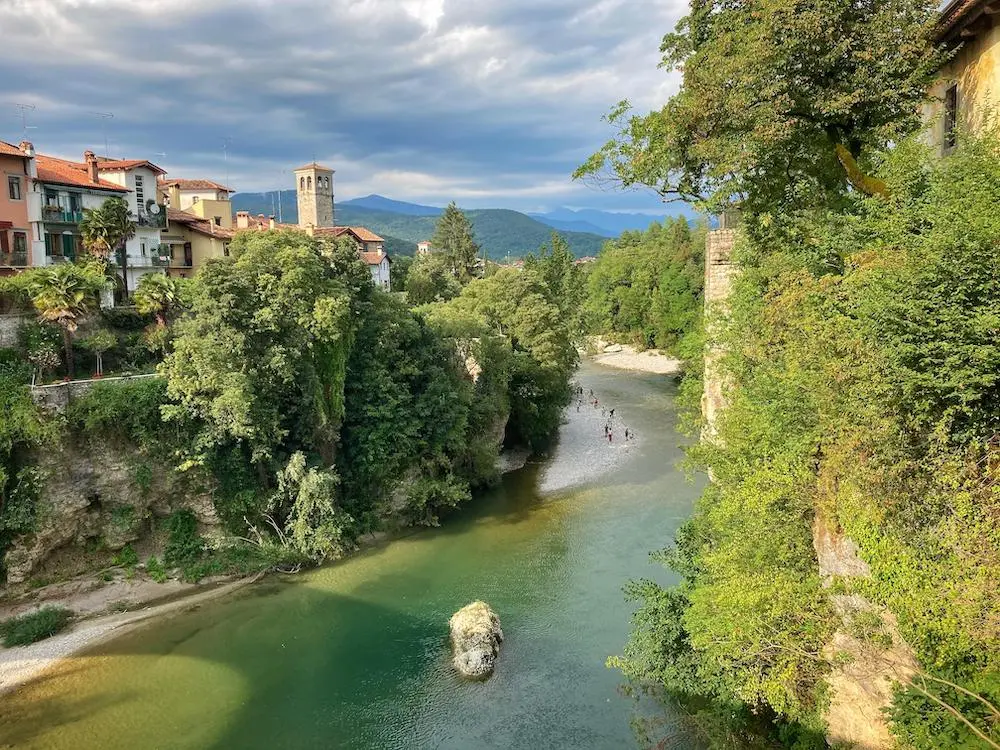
{"points": [[499, 231], [573, 226], [608, 223], [381, 203]]}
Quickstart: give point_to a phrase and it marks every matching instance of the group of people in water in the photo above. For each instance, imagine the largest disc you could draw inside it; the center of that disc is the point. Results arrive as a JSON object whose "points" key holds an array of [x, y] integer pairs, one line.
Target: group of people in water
{"points": [[609, 416]]}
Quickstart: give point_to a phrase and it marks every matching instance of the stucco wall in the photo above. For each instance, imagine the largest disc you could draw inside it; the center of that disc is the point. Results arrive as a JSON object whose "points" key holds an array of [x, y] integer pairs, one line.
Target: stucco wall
{"points": [[719, 275]]}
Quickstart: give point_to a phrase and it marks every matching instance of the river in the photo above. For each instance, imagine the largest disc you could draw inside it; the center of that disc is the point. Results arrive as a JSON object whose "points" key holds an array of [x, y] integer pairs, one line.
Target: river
{"points": [[355, 655]]}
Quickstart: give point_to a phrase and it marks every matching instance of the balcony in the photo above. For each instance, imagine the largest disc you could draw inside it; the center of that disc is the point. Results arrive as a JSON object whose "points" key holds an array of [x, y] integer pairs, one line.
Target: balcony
{"points": [[14, 260], [60, 215], [157, 219]]}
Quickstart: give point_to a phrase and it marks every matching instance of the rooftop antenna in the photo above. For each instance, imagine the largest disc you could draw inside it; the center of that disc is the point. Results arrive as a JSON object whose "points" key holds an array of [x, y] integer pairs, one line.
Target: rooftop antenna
{"points": [[225, 156], [105, 116], [281, 177], [25, 127]]}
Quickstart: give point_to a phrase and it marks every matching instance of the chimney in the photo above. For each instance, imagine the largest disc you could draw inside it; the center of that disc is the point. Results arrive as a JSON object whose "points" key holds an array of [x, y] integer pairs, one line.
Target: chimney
{"points": [[242, 220], [91, 160], [27, 148], [270, 222], [174, 196]]}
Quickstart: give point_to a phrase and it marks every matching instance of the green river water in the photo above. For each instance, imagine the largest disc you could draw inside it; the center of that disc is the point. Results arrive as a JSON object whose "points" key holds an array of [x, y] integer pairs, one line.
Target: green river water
{"points": [[355, 655]]}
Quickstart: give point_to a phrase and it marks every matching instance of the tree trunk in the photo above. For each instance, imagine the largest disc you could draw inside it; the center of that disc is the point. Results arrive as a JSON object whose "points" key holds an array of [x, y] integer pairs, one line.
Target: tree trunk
{"points": [[123, 255], [68, 347]]}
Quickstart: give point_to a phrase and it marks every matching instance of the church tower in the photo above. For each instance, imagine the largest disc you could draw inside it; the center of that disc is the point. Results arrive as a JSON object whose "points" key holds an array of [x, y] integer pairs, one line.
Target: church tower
{"points": [[314, 191]]}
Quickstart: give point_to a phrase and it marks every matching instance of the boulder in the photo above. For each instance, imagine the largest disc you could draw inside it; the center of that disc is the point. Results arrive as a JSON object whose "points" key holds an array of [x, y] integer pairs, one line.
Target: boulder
{"points": [[475, 638]]}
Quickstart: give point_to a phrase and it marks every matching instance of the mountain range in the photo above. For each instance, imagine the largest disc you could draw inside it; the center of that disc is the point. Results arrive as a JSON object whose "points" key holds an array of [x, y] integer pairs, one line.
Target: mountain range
{"points": [[501, 232]]}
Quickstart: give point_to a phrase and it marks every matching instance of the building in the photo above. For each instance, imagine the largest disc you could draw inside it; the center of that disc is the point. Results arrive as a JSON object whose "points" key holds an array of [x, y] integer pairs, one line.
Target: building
{"points": [[142, 252], [314, 195], [424, 248], [968, 86], [16, 176], [190, 240], [203, 198]]}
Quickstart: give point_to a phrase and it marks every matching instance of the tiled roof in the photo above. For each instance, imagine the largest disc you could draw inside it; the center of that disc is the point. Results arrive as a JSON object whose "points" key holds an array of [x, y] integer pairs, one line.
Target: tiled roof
{"points": [[197, 224], [365, 235], [312, 165], [195, 185], [373, 259], [62, 172], [122, 165], [9, 149], [954, 13]]}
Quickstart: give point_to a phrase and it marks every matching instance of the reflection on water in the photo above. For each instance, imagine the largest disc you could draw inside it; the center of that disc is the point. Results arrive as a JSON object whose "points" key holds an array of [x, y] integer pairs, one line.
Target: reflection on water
{"points": [[356, 656]]}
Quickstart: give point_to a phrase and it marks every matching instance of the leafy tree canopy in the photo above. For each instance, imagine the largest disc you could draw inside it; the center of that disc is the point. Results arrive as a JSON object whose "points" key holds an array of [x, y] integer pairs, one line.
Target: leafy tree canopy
{"points": [[779, 103], [454, 242]]}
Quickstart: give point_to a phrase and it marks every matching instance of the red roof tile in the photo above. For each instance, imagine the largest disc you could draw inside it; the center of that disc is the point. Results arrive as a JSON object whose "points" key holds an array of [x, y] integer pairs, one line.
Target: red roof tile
{"points": [[9, 149], [122, 165], [373, 259], [955, 13], [195, 185], [74, 174], [197, 224], [365, 235]]}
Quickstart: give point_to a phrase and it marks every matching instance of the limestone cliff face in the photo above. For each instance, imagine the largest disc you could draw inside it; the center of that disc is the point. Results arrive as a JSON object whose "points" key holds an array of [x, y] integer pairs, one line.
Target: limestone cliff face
{"points": [[863, 670], [100, 495]]}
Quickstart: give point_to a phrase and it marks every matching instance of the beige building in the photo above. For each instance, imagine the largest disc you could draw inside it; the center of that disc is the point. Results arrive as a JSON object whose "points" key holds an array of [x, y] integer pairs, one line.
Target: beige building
{"points": [[968, 87], [191, 240], [203, 198]]}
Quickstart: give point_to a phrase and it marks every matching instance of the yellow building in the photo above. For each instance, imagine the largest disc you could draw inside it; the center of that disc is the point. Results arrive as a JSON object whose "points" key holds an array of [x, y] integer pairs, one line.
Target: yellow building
{"points": [[968, 87], [190, 240], [200, 224]]}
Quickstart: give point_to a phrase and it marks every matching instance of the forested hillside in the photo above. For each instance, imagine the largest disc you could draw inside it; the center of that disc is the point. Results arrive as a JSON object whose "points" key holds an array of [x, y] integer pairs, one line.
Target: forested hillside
{"points": [[499, 231]]}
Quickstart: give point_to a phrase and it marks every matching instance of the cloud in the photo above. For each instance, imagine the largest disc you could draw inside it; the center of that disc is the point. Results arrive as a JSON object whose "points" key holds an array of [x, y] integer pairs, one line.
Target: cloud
{"points": [[492, 102]]}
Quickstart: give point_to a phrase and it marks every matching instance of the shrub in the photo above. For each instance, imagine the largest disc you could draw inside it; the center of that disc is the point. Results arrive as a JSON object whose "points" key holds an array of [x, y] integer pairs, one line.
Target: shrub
{"points": [[126, 557], [156, 570], [184, 545], [34, 626]]}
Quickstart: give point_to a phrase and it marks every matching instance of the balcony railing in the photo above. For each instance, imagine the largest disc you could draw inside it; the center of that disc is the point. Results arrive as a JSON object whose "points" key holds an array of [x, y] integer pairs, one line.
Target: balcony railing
{"points": [[156, 220], [60, 215], [162, 261], [14, 260]]}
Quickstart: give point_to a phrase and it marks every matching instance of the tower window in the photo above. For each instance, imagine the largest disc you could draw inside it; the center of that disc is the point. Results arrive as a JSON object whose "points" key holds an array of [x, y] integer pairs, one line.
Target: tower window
{"points": [[950, 117], [302, 183], [309, 182]]}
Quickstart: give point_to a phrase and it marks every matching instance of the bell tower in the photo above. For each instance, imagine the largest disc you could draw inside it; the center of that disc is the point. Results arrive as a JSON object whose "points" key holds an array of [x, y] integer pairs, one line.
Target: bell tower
{"points": [[314, 191]]}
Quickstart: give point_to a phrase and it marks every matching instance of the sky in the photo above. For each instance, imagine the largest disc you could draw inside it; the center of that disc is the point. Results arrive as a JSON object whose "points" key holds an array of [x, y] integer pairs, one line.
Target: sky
{"points": [[491, 103]]}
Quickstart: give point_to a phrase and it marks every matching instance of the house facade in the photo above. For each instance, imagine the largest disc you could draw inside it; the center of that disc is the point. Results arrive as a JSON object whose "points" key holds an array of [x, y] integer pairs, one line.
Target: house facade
{"points": [[16, 164], [968, 86], [190, 241]]}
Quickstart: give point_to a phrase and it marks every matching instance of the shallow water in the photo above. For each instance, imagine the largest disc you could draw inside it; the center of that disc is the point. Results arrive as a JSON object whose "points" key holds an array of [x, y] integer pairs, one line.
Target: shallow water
{"points": [[355, 655]]}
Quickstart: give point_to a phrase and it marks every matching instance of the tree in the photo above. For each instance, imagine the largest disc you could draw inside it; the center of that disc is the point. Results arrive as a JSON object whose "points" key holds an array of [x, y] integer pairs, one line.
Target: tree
{"points": [[430, 279], [65, 294], [99, 342], [399, 269], [161, 296], [454, 242], [106, 230], [780, 101]]}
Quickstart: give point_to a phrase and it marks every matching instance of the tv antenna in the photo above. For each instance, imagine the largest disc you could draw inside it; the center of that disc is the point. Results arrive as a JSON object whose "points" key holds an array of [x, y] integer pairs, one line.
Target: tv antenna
{"points": [[105, 116], [225, 156], [25, 127]]}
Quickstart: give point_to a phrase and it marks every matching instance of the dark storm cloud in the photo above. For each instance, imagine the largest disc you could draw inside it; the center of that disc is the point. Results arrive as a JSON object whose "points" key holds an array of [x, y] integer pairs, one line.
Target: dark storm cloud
{"points": [[492, 102]]}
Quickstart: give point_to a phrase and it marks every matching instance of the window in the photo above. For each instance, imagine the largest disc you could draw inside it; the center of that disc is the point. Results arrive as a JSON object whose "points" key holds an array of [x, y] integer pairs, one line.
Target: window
{"points": [[309, 182], [20, 242], [218, 221], [14, 188], [302, 183], [140, 196], [950, 117], [142, 249], [225, 250], [195, 199]]}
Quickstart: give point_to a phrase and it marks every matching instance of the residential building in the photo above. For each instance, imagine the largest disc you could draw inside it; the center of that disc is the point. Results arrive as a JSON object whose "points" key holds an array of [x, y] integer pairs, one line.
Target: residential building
{"points": [[968, 86], [142, 252], [16, 165], [190, 240], [424, 248], [204, 198]]}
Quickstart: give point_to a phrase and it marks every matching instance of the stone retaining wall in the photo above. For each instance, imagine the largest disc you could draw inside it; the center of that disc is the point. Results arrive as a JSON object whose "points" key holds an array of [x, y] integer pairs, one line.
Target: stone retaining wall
{"points": [[57, 395]]}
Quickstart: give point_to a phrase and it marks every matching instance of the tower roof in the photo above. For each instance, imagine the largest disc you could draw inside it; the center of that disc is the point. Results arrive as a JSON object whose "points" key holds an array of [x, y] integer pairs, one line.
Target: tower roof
{"points": [[313, 166]]}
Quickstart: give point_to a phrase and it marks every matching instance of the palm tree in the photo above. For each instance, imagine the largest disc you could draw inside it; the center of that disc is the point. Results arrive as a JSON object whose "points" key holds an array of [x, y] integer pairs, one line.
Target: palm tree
{"points": [[105, 231], [159, 295], [65, 294]]}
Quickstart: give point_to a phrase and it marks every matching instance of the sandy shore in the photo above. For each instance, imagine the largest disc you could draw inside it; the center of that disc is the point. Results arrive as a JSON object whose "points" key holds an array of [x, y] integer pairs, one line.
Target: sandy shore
{"points": [[625, 357], [21, 664]]}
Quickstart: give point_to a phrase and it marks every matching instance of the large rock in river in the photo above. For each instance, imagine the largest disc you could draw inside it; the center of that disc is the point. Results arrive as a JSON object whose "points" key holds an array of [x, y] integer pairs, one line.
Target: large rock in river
{"points": [[475, 637]]}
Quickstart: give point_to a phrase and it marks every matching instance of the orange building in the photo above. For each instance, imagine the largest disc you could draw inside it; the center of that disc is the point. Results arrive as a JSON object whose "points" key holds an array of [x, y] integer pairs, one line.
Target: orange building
{"points": [[15, 187]]}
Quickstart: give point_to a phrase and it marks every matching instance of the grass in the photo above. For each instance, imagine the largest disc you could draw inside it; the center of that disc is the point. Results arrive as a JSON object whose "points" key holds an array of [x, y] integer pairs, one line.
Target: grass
{"points": [[34, 626]]}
